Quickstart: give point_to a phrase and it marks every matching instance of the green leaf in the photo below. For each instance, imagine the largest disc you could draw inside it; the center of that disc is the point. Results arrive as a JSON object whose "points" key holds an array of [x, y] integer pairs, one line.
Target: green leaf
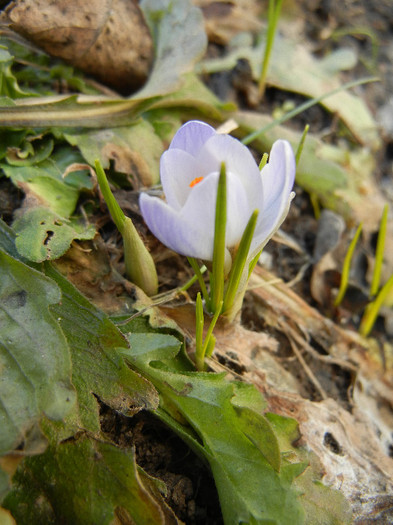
{"points": [[35, 358], [44, 181], [84, 482], [98, 368], [201, 407], [44, 235], [259, 431], [27, 154]]}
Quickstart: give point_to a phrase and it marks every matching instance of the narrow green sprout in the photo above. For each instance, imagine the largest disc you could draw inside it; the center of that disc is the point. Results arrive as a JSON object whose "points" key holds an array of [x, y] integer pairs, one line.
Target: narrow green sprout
{"points": [[139, 263], [217, 275], [210, 346], [198, 273], [263, 162], [315, 204], [371, 312], [193, 279], [301, 143], [379, 252], [273, 16], [114, 209], [347, 266], [308, 104]]}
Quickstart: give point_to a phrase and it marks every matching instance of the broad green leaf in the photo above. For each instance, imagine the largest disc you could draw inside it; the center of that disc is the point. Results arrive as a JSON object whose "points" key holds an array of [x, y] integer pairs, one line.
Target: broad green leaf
{"points": [[202, 404], [98, 368], [259, 431], [44, 180], [180, 40], [43, 235], [136, 149], [35, 358], [85, 482]]}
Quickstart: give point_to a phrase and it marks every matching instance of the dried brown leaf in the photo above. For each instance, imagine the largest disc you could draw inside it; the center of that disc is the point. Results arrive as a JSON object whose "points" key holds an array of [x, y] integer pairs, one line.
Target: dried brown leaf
{"points": [[107, 39]]}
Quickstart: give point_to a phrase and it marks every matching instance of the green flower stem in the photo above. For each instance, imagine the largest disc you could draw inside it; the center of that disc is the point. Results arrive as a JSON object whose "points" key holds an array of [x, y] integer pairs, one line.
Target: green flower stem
{"points": [[347, 266], [373, 308], [239, 263], [199, 332], [379, 252], [210, 340], [139, 263], [217, 275]]}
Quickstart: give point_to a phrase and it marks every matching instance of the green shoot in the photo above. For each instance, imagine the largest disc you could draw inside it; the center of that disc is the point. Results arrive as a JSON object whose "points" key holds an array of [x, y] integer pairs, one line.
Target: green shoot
{"points": [[347, 266], [263, 162], [273, 16], [308, 104], [301, 143], [217, 275], [113, 207], [191, 281], [379, 253], [372, 309], [315, 204], [198, 274]]}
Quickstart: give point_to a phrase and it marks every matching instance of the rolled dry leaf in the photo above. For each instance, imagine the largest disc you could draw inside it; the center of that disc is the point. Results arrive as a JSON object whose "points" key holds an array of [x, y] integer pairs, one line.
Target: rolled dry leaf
{"points": [[108, 39]]}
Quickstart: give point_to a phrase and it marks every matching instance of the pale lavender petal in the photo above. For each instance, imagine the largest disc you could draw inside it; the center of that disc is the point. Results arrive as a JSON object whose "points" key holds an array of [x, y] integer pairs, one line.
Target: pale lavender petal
{"points": [[200, 207], [173, 230], [177, 168], [190, 231], [192, 136], [278, 178], [238, 159]]}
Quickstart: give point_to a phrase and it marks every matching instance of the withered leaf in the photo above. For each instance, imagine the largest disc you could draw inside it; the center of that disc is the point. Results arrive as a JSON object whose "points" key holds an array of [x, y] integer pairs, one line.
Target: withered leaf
{"points": [[107, 39]]}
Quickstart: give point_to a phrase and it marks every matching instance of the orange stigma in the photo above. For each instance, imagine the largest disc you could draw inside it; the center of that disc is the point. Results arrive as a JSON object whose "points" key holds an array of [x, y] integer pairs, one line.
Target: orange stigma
{"points": [[196, 181]]}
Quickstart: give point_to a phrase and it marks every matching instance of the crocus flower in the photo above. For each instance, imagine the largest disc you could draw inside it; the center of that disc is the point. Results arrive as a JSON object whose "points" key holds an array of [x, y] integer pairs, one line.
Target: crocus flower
{"points": [[189, 174]]}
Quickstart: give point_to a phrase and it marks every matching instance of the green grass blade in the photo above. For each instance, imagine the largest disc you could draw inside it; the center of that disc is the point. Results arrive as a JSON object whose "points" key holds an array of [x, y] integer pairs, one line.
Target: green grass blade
{"points": [[379, 252], [347, 266], [301, 143], [372, 309], [308, 104]]}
